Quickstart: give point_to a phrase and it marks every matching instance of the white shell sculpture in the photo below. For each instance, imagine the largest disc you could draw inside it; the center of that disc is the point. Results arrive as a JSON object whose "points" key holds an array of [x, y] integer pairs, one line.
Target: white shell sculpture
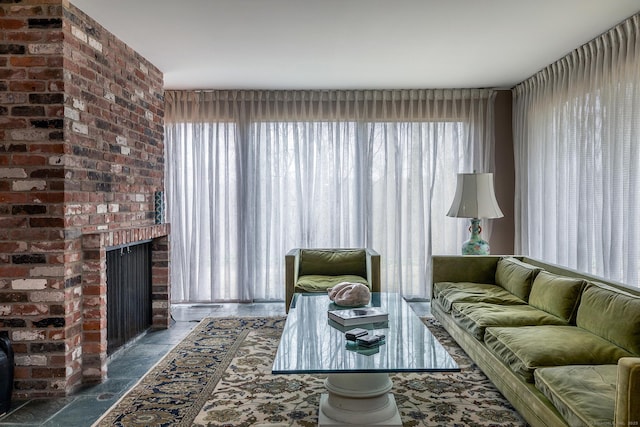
{"points": [[349, 294]]}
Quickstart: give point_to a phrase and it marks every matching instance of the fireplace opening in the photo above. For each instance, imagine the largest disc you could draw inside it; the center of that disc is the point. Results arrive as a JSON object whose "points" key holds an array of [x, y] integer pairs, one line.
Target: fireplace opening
{"points": [[129, 308]]}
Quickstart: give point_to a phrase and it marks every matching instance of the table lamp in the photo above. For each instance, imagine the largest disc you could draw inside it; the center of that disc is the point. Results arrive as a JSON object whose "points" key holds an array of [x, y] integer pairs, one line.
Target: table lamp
{"points": [[475, 198]]}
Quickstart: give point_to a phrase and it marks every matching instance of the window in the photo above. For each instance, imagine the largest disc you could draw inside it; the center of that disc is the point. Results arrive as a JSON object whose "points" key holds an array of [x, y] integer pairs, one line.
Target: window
{"points": [[577, 128], [243, 193]]}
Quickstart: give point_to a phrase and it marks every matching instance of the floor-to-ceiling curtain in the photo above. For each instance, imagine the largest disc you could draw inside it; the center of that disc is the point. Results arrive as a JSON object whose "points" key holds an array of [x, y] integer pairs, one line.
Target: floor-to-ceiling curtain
{"points": [[577, 147], [252, 174]]}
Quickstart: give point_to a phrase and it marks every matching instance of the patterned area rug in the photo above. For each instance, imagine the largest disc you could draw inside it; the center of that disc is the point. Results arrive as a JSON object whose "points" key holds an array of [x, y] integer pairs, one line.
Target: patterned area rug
{"points": [[220, 376]]}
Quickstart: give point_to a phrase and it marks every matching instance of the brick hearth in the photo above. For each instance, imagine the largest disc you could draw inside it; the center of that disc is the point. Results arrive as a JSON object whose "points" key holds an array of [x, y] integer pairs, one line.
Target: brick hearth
{"points": [[94, 289]]}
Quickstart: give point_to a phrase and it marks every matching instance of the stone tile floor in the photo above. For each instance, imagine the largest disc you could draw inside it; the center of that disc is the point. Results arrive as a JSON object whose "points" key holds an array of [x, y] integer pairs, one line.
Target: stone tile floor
{"points": [[128, 365]]}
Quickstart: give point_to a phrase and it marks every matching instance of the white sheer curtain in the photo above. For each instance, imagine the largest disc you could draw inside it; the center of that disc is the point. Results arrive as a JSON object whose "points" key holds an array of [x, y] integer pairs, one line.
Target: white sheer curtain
{"points": [[252, 174], [577, 148]]}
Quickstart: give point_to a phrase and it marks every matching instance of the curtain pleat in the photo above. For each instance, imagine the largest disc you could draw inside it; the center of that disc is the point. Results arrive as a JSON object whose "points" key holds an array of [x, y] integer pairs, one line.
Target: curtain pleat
{"points": [[253, 174], [577, 149]]}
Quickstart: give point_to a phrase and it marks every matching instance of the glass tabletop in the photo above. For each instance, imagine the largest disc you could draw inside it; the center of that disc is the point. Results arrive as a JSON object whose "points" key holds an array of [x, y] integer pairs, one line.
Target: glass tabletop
{"points": [[311, 343]]}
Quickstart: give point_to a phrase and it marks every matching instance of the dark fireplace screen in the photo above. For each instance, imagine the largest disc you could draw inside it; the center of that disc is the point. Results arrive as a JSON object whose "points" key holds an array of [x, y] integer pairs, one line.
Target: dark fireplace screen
{"points": [[128, 293]]}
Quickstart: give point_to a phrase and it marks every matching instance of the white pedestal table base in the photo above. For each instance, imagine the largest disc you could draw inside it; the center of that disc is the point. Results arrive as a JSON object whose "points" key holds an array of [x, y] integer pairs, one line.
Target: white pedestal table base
{"points": [[361, 399]]}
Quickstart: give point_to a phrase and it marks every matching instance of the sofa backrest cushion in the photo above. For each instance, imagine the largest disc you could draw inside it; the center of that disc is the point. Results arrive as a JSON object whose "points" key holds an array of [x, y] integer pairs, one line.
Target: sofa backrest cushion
{"points": [[333, 262], [613, 315], [516, 276], [557, 295]]}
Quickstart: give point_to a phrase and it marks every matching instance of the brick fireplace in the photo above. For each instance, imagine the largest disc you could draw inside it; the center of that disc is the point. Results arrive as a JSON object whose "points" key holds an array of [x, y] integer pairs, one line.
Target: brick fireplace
{"points": [[81, 155]]}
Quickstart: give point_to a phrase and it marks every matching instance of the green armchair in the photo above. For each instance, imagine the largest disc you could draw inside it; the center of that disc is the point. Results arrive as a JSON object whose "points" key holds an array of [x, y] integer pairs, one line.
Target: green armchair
{"points": [[316, 270]]}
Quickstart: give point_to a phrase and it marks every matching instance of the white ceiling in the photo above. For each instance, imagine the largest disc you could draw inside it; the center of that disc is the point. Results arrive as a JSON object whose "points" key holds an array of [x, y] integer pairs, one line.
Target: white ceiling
{"points": [[353, 44]]}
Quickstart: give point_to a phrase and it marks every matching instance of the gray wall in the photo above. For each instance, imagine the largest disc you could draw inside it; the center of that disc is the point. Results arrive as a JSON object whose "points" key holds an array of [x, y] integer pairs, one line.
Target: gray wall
{"points": [[502, 236]]}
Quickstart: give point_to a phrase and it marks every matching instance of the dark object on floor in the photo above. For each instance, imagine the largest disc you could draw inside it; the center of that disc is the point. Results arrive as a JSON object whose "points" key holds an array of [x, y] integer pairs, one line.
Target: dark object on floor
{"points": [[6, 374]]}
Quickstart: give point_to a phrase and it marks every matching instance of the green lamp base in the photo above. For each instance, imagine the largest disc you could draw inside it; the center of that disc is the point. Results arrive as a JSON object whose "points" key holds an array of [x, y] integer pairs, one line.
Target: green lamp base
{"points": [[475, 245]]}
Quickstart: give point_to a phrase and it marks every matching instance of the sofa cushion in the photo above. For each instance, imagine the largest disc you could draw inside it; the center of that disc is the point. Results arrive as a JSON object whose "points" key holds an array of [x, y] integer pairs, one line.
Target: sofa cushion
{"points": [[612, 315], [584, 395], [521, 348], [332, 262], [319, 283], [558, 295], [476, 292], [476, 317], [441, 288], [516, 276]]}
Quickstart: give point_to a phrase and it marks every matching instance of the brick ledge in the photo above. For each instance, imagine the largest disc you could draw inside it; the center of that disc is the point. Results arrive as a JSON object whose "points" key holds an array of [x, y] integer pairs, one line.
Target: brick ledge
{"points": [[123, 236]]}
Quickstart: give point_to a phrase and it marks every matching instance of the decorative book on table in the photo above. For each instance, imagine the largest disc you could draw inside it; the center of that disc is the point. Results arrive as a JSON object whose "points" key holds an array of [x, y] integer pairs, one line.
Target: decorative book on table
{"points": [[358, 316]]}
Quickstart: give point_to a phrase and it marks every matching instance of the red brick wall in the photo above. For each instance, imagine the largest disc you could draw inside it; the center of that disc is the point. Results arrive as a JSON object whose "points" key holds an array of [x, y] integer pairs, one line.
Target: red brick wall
{"points": [[81, 125]]}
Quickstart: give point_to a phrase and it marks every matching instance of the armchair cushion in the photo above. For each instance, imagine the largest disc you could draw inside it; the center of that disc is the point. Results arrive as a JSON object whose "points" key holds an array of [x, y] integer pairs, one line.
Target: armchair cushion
{"points": [[320, 283], [333, 262]]}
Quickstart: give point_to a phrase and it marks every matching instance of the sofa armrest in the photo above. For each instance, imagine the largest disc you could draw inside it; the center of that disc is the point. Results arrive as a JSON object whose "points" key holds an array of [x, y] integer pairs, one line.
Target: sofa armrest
{"points": [[628, 392], [292, 263], [373, 269], [464, 268]]}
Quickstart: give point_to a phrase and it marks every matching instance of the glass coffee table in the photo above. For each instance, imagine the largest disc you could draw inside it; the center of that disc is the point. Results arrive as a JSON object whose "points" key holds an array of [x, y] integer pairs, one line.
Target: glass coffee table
{"points": [[358, 384]]}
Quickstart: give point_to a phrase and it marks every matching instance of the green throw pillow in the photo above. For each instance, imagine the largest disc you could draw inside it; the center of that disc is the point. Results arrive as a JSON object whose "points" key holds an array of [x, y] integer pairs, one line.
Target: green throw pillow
{"points": [[516, 276], [557, 295], [613, 315]]}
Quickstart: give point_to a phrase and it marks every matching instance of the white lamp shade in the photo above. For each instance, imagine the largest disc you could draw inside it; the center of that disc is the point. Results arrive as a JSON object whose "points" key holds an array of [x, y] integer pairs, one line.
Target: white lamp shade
{"points": [[475, 197]]}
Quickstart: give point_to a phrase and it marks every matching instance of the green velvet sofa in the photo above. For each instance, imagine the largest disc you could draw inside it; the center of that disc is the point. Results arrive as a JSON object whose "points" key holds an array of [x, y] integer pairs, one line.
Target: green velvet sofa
{"points": [[563, 347], [316, 270]]}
